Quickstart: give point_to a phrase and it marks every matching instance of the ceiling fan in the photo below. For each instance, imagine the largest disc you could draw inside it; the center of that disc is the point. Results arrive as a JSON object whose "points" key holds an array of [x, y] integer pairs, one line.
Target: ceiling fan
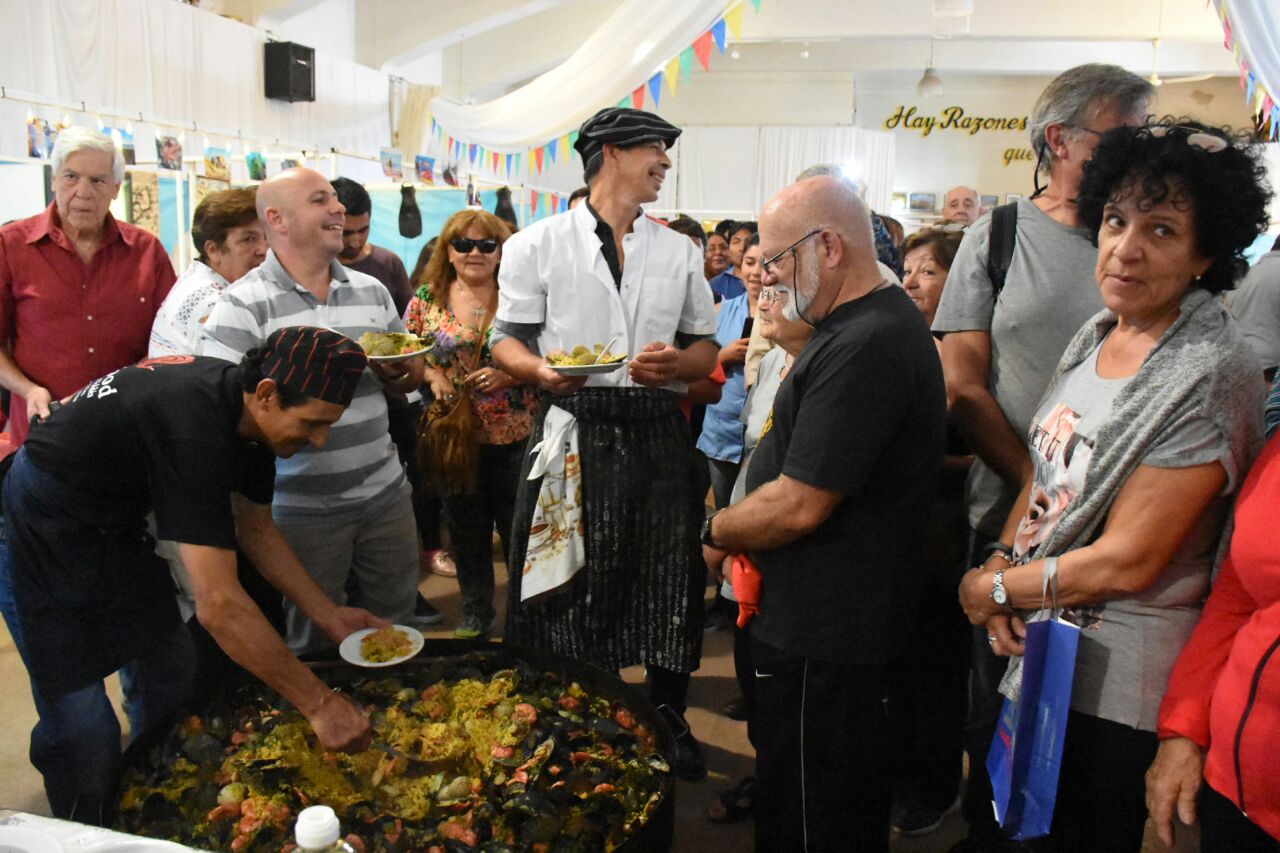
{"points": [[1156, 80]]}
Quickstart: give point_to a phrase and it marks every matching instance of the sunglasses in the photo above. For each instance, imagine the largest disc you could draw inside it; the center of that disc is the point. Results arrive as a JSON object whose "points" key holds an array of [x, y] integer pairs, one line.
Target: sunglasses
{"points": [[464, 245], [1193, 136]]}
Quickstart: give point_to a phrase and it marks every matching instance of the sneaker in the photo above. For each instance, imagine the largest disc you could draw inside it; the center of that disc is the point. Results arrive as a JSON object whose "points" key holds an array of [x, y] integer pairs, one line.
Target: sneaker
{"points": [[472, 629], [917, 819], [688, 762], [425, 613]]}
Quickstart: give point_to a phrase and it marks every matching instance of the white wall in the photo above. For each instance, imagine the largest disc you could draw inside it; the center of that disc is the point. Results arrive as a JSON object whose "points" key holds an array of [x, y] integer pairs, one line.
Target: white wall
{"points": [[329, 27]]}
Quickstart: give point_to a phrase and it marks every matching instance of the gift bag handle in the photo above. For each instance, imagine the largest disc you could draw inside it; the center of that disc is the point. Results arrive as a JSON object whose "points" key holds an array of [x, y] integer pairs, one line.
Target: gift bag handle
{"points": [[1049, 585]]}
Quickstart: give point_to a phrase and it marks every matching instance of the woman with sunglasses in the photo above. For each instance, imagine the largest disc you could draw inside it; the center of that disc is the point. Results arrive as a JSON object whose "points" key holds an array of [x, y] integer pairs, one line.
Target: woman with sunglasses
{"points": [[1146, 432], [455, 308]]}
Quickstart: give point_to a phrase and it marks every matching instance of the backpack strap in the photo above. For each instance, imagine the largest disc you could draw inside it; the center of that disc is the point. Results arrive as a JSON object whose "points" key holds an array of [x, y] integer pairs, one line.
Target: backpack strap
{"points": [[1004, 233]]}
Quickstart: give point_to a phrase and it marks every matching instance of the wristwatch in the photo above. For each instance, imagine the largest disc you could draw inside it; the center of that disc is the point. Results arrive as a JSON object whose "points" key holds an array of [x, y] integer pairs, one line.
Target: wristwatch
{"points": [[705, 535], [999, 594]]}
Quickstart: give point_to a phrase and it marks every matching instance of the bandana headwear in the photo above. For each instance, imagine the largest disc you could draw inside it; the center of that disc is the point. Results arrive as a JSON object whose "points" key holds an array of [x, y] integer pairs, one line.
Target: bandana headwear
{"points": [[314, 362], [622, 126]]}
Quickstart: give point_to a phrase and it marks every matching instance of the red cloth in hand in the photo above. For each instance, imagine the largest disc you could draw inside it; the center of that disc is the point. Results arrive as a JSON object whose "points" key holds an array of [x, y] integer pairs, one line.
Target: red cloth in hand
{"points": [[746, 588]]}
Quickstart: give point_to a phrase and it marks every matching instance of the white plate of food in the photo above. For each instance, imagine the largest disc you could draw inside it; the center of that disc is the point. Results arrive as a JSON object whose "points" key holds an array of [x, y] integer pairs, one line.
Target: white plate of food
{"points": [[385, 347], [583, 361], [375, 647]]}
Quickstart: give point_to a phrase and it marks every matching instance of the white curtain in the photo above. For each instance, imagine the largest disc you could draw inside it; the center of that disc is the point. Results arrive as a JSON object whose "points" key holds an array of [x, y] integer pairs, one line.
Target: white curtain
{"points": [[1255, 28], [170, 60], [616, 59], [726, 171]]}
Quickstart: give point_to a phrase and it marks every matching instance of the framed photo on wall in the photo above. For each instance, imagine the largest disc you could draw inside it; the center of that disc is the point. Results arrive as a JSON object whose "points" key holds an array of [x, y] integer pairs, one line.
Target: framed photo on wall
{"points": [[986, 202], [899, 201], [1008, 197], [922, 202]]}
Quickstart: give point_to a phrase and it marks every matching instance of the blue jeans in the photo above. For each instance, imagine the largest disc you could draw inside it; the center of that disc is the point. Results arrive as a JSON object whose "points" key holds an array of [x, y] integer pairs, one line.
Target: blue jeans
{"points": [[76, 740]]}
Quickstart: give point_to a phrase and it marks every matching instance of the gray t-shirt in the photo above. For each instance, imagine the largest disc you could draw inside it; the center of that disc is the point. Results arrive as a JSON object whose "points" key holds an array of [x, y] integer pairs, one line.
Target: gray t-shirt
{"points": [[1256, 306], [1049, 293], [1128, 645]]}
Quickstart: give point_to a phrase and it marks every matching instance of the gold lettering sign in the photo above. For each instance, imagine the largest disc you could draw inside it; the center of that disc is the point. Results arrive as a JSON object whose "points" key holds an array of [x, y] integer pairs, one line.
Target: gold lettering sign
{"points": [[951, 118], [1014, 155]]}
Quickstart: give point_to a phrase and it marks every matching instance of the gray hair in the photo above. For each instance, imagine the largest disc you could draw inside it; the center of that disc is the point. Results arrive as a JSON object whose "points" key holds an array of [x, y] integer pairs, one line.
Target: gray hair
{"points": [[1077, 93], [72, 140]]}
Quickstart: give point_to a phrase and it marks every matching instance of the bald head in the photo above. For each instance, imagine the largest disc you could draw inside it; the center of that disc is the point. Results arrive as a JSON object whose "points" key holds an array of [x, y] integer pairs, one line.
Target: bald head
{"points": [[301, 213], [960, 205], [837, 263]]}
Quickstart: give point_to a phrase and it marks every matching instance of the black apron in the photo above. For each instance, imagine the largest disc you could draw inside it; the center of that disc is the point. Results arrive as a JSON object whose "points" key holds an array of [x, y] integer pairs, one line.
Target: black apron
{"points": [[638, 599]]}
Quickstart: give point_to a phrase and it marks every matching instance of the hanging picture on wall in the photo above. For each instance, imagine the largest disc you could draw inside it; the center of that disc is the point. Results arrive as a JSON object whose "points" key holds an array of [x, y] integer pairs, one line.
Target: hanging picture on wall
{"points": [[986, 202], [204, 186], [423, 167], [899, 201], [288, 164], [392, 164], [257, 165], [217, 164], [144, 201], [922, 202], [123, 138], [1008, 197], [40, 134], [169, 152]]}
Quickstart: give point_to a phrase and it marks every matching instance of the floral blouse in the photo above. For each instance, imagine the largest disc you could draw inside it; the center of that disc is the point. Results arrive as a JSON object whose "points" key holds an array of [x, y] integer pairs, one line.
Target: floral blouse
{"points": [[505, 416]]}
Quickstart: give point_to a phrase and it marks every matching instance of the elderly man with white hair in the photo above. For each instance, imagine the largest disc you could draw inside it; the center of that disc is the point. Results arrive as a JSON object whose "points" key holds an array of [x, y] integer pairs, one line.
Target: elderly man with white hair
{"points": [[78, 290], [833, 520]]}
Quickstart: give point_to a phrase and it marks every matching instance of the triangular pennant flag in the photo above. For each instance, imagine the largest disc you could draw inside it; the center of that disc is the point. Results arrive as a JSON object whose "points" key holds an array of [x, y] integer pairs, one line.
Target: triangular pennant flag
{"points": [[655, 89], [637, 98], [471, 153], [538, 155], [1253, 81], [555, 204], [686, 63], [533, 202], [718, 34], [552, 146], [672, 73], [509, 158], [756, 3], [566, 148], [496, 159], [623, 104], [734, 19], [702, 49], [1267, 104], [1257, 100], [573, 139], [519, 158]]}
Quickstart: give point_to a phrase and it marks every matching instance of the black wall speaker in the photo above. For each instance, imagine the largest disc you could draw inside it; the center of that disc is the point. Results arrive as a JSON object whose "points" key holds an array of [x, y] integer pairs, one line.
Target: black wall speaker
{"points": [[290, 71]]}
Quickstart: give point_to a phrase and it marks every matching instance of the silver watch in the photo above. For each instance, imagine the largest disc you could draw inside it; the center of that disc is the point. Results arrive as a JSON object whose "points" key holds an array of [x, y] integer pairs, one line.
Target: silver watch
{"points": [[999, 594]]}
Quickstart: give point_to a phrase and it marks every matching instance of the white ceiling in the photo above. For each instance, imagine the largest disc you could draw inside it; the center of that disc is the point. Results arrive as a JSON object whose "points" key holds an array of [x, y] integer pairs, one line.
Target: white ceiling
{"points": [[482, 48]]}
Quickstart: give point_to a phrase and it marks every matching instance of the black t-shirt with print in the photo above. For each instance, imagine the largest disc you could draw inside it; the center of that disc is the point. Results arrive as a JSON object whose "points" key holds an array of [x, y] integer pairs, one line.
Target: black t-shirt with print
{"points": [[159, 435], [862, 413]]}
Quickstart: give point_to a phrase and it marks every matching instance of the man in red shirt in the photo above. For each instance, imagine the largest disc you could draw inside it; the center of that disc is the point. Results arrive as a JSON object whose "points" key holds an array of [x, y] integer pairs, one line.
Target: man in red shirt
{"points": [[78, 290]]}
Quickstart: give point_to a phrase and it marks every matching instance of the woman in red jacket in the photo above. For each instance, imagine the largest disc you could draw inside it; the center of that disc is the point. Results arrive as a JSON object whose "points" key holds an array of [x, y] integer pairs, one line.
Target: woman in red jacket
{"points": [[1220, 719]]}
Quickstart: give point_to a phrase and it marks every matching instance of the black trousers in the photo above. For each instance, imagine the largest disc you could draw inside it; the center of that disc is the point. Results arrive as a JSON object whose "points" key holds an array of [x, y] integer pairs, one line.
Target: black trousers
{"points": [[1223, 829], [822, 754], [403, 419], [471, 522]]}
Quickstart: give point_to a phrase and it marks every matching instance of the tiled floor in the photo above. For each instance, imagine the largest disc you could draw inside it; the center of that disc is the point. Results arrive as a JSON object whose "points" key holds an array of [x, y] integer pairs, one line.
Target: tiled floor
{"points": [[728, 753]]}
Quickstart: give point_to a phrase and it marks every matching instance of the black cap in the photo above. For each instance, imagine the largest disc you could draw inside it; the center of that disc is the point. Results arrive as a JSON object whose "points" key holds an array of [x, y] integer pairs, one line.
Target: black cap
{"points": [[314, 362], [622, 126]]}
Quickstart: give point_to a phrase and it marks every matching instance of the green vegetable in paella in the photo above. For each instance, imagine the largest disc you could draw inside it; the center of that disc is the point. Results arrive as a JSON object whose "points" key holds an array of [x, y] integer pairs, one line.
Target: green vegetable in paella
{"points": [[509, 760], [390, 343]]}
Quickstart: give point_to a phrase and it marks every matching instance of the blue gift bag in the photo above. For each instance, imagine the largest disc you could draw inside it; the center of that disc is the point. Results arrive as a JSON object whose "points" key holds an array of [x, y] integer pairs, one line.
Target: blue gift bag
{"points": [[1025, 758]]}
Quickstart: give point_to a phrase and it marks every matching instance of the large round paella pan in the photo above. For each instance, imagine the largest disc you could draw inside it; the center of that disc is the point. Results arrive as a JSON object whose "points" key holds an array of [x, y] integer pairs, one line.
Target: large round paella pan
{"points": [[477, 747]]}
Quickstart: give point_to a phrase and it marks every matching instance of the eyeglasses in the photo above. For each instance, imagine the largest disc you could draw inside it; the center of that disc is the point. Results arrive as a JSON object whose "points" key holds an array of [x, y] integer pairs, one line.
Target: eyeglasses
{"points": [[768, 266], [1195, 137], [464, 245]]}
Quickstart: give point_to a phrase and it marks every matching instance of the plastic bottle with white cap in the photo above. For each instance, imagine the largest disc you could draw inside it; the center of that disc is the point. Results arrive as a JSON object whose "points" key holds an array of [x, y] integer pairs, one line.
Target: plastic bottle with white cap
{"points": [[317, 830]]}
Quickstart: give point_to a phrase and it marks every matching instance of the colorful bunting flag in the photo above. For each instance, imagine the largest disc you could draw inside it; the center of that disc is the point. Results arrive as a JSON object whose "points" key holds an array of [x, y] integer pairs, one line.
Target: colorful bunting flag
{"points": [[686, 63], [655, 89], [555, 203], [756, 3], [551, 148], [538, 155], [637, 98], [509, 159], [671, 72], [734, 19], [623, 104], [567, 147], [533, 203], [702, 48], [518, 159], [718, 34], [496, 158]]}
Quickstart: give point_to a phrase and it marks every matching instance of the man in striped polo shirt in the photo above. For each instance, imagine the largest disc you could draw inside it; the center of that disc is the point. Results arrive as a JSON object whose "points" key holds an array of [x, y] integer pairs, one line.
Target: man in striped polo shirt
{"points": [[345, 508]]}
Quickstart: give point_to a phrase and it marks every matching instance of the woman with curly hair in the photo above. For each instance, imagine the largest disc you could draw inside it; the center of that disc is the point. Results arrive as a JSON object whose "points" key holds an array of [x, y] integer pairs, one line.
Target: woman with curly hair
{"points": [[455, 308], [1149, 426]]}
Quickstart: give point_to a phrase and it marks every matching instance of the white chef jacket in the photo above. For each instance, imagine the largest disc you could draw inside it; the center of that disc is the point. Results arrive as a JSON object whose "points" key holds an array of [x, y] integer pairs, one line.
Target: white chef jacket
{"points": [[553, 274]]}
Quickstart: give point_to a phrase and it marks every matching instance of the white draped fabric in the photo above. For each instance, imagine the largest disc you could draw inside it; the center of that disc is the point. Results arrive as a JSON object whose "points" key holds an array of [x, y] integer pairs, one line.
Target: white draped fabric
{"points": [[618, 57], [168, 60], [1255, 27], [735, 170]]}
